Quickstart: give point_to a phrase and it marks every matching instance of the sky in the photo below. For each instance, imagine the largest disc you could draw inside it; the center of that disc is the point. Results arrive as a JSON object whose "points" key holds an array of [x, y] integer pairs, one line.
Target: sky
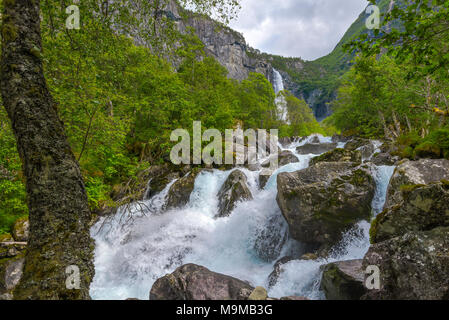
{"points": [[296, 28]]}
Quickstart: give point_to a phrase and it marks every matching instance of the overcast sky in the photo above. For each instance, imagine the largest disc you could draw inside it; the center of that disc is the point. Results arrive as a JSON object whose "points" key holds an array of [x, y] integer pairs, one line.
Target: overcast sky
{"points": [[298, 28]]}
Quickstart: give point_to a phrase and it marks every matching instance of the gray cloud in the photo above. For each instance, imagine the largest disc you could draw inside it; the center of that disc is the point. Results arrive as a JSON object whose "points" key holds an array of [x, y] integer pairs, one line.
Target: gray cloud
{"points": [[299, 28]]}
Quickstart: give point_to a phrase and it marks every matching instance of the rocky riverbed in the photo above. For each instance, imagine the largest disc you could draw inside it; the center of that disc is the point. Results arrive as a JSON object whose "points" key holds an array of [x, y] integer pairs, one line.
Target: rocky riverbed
{"points": [[308, 230]]}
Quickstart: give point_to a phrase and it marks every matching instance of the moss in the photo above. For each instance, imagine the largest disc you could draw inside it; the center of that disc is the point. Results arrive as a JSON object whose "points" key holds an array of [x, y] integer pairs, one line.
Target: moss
{"points": [[445, 183], [407, 188], [9, 31], [428, 149], [375, 226]]}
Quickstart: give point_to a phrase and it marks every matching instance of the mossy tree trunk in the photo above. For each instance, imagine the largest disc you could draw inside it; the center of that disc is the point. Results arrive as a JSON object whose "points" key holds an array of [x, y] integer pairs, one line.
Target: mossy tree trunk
{"points": [[57, 201]]}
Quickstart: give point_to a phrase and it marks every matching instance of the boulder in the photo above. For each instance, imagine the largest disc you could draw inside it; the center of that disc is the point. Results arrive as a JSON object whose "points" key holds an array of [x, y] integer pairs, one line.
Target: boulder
{"points": [[343, 280], [10, 273], [193, 282], [422, 208], [339, 155], [155, 179], [259, 294], [316, 148], [179, 193], [325, 200], [357, 143], [384, 159], [340, 138], [21, 230], [284, 157], [414, 266], [271, 239], [411, 173], [264, 176], [233, 190], [277, 270]]}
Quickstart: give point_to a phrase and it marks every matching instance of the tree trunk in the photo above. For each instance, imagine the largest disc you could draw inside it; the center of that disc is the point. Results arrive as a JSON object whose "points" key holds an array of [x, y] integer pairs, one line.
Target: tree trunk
{"points": [[57, 201]]}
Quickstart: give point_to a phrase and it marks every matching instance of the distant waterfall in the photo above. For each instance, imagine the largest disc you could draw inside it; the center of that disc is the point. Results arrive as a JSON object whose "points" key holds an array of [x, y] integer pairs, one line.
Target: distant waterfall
{"points": [[278, 85]]}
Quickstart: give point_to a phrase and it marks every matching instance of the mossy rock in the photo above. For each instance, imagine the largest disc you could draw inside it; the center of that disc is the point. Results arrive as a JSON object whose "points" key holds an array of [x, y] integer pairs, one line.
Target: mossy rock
{"points": [[428, 149], [259, 294], [6, 237]]}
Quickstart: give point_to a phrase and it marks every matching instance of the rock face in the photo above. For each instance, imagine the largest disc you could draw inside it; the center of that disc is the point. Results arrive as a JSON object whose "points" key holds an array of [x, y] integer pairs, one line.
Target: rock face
{"points": [[339, 155], [414, 266], [21, 230], [179, 193], [343, 280], [422, 208], [410, 173], [316, 148], [322, 201], [193, 282], [233, 190], [10, 273]]}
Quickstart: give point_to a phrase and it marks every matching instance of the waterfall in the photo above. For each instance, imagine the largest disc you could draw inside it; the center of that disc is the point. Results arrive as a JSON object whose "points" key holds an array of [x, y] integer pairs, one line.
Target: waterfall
{"points": [[278, 85], [140, 244]]}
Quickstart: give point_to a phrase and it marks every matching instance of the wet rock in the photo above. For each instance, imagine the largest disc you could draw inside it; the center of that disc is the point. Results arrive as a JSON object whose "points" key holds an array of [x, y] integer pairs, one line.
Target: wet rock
{"points": [[179, 193], [309, 256], [384, 159], [21, 230], [193, 282], [357, 143], [316, 148], [10, 273], [411, 173], [159, 176], [413, 266], [277, 270], [264, 176], [339, 155], [233, 190], [271, 239], [324, 200], [286, 141], [284, 157], [344, 280], [337, 138], [259, 294], [422, 208]]}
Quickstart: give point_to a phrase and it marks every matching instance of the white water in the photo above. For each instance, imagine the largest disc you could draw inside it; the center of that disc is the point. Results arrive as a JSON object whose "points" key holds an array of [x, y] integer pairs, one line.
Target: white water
{"points": [[281, 103], [140, 244]]}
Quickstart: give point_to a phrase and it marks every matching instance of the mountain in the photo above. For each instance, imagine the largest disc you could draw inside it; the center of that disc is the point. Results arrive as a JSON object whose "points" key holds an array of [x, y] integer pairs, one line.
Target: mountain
{"points": [[314, 81]]}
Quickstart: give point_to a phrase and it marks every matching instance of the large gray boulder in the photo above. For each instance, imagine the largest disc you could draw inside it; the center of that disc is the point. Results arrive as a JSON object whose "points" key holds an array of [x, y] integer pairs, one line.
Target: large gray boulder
{"points": [[414, 266], [234, 189], [193, 282], [316, 148], [422, 208], [324, 200], [343, 280], [411, 173]]}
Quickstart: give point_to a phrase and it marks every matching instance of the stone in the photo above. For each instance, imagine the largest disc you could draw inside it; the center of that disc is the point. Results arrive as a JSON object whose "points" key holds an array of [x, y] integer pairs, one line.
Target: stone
{"points": [[277, 270], [423, 208], [179, 193], [316, 148], [343, 280], [264, 176], [234, 189], [411, 173], [259, 294], [414, 266], [323, 201], [11, 271], [193, 282], [339, 155]]}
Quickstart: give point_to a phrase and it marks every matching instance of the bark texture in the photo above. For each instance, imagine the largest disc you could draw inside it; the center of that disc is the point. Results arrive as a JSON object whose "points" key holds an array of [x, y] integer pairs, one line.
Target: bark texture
{"points": [[57, 201]]}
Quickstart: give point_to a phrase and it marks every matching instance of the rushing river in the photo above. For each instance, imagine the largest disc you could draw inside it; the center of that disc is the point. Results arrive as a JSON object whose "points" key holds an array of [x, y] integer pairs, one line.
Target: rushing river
{"points": [[139, 244]]}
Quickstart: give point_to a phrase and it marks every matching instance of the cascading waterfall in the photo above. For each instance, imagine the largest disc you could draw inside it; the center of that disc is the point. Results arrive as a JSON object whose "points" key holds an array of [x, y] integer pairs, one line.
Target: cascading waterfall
{"points": [[140, 244], [278, 85]]}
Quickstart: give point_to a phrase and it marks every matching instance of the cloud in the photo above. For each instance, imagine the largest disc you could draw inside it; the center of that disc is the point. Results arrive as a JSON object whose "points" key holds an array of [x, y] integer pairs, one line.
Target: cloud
{"points": [[298, 28]]}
